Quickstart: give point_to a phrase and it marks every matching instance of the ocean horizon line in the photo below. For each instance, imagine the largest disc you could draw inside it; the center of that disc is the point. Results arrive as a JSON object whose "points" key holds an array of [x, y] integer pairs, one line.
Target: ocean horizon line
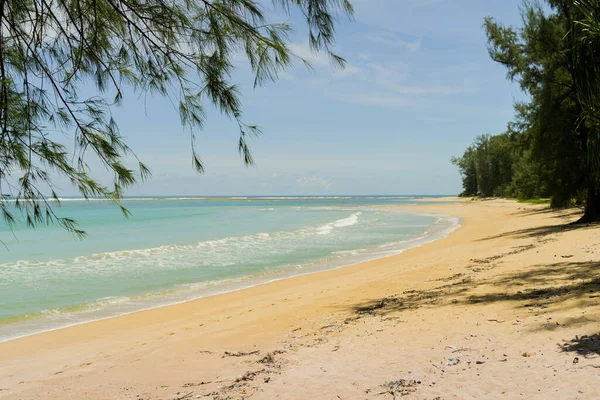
{"points": [[241, 197]]}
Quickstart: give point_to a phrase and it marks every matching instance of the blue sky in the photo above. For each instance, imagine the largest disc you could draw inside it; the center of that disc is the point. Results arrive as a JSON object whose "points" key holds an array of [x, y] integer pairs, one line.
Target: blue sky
{"points": [[418, 88]]}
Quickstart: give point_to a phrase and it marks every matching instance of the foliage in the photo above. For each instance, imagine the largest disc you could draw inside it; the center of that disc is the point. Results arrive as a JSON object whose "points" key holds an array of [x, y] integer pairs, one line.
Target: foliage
{"points": [[183, 50], [487, 166], [534, 201], [555, 147], [585, 39], [467, 167]]}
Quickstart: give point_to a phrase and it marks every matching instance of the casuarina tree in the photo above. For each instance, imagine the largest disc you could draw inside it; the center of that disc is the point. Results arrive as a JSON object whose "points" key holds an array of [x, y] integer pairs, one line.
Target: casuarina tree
{"points": [[181, 49]]}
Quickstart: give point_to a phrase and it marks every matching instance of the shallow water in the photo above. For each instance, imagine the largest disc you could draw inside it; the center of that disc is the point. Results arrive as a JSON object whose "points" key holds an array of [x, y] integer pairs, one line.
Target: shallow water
{"points": [[175, 249]]}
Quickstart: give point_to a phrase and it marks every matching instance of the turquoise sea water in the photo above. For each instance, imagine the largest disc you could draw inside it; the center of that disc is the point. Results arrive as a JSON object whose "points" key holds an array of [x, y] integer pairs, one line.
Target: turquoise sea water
{"points": [[175, 249]]}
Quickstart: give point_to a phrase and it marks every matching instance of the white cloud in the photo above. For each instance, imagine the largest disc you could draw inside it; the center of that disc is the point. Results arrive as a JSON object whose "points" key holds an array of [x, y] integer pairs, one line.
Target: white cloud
{"points": [[405, 3], [349, 70], [286, 76], [391, 72], [313, 181], [299, 182], [378, 81], [304, 51], [425, 90], [390, 39], [392, 77], [321, 59], [384, 85], [377, 100]]}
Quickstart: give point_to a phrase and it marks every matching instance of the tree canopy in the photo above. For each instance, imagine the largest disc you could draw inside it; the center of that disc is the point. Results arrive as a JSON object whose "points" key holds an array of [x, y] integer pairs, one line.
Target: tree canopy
{"points": [[554, 147], [182, 49]]}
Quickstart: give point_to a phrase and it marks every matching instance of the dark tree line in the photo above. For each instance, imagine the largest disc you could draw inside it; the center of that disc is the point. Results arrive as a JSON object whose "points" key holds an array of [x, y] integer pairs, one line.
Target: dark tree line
{"points": [[552, 146]]}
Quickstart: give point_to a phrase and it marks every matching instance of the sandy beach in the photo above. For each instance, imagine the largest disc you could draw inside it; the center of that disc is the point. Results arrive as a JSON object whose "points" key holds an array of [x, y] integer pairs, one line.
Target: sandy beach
{"points": [[507, 306]]}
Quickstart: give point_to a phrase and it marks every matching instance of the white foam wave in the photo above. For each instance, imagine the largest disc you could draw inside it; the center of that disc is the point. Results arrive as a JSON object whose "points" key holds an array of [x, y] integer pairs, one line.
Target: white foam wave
{"points": [[105, 301], [221, 252], [233, 250], [345, 253], [340, 223]]}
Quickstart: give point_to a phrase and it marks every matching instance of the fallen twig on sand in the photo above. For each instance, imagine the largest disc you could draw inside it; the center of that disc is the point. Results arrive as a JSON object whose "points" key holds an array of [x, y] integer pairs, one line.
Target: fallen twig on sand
{"points": [[182, 397], [462, 349], [248, 376], [328, 326], [269, 359], [240, 353], [213, 394], [192, 384], [400, 387]]}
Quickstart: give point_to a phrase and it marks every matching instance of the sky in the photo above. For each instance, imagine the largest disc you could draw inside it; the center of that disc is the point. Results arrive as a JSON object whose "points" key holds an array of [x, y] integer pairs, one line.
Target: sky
{"points": [[418, 88]]}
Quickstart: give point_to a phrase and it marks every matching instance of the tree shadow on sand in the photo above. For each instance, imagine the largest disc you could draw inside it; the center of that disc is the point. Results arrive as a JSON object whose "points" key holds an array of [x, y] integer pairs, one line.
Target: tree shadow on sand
{"points": [[538, 287], [558, 213], [567, 216], [587, 345], [541, 231]]}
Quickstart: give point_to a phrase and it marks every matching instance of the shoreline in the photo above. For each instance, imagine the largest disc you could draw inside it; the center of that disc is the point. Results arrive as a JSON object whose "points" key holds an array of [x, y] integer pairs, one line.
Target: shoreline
{"points": [[477, 314], [252, 281]]}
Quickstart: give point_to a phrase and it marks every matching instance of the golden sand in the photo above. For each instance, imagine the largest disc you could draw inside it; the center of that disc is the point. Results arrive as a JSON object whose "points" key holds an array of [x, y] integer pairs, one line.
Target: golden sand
{"points": [[507, 306]]}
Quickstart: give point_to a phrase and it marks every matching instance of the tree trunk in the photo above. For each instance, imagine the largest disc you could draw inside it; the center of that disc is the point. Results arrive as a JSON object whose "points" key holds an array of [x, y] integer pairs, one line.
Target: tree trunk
{"points": [[592, 208]]}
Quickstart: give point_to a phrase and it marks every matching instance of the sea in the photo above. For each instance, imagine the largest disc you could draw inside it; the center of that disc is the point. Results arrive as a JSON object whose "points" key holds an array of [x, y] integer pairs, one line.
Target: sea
{"points": [[175, 249]]}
